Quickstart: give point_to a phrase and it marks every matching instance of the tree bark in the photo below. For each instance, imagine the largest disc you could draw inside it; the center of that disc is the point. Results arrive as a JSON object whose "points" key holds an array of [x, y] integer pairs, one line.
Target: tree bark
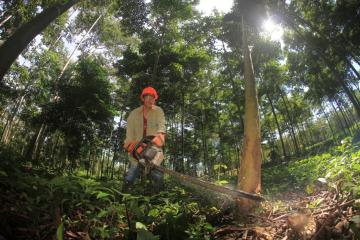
{"points": [[346, 120], [9, 123], [77, 46], [277, 125], [343, 128], [305, 130], [87, 163], [328, 121], [15, 44], [108, 165], [291, 125], [179, 165], [249, 177], [102, 162], [54, 150], [290, 147], [5, 20], [205, 144], [38, 142]]}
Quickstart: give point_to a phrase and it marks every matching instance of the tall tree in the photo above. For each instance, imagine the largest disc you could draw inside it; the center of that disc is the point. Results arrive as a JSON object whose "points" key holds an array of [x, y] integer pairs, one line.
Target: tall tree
{"points": [[18, 41], [249, 14]]}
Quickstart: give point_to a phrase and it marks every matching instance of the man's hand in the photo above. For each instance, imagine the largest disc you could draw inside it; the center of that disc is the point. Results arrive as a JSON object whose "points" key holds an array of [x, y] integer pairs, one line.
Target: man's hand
{"points": [[130, 146], [159, 140]]}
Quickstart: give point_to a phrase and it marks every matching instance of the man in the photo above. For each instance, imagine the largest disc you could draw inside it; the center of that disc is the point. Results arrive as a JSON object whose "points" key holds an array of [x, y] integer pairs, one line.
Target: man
{"points": [[146, 120]]}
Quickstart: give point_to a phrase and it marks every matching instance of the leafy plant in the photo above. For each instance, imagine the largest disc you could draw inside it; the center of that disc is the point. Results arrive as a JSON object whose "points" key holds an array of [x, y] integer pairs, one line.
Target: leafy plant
{"points": [[340, 169]]}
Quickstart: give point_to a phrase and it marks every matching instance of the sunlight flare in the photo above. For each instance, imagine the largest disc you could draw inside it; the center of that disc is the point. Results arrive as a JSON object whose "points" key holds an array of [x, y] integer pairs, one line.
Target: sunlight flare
{"points": [[275, 31]]}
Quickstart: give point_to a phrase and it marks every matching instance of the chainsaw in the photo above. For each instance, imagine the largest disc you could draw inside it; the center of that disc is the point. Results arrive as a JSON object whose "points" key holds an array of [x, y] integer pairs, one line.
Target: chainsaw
{"points": [[145, 151]]}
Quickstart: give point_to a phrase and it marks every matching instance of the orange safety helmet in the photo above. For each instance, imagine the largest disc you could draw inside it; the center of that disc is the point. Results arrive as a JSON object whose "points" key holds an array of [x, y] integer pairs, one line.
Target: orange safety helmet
{"points": [[149, 90]]}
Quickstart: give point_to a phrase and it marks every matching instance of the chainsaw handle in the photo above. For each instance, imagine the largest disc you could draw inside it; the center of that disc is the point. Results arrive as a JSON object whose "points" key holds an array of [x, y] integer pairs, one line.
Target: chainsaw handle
{"points": [[142, 143]]}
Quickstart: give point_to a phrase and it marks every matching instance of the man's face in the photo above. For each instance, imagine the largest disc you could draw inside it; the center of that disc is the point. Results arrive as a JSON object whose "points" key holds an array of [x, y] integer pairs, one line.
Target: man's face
{"points": [[149, 100]]}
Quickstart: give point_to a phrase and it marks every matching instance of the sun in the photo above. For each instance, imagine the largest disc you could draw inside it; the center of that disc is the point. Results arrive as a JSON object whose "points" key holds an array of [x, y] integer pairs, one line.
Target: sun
{"points": [[275, 31]]}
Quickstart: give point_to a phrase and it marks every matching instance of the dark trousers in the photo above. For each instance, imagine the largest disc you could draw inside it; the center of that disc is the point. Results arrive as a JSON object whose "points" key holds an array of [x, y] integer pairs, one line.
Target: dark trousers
{"points": [[133, 172]]}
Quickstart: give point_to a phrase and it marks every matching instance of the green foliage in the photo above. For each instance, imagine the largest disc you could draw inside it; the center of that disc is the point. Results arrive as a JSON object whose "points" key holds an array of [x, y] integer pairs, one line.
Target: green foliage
{"points": [[100, 207], [143, 233], [218, 167], [60, 232], [83, 108], [340, 169], [195, 63], [133, 15]]}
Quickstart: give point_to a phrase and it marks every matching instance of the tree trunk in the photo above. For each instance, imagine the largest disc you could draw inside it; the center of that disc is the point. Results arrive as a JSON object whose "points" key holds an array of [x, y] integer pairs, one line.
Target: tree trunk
{"points": [[339, 118], [277, 125], [179, 165], [155, 66], [350, 95], [193, 171], [290, 148], [53, 151], [313, 139], [5, 20], [38, 142], [348, 112], [87, 164], [93, 162], [329, 123], [77, 46], [301, 138], [346, 120], [305, 134], [108, 165], [115, 158], [101, 170], [9, 123], [221, 135], [249, 178], [205, 144], [332, 68], [182, 130], [291, 125], [61, 35], [15, 44]]}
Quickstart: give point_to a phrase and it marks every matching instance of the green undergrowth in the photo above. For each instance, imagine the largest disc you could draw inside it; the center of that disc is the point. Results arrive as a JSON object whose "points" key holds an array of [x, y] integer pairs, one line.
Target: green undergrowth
{"points": [[36, 205], [338, 169]]}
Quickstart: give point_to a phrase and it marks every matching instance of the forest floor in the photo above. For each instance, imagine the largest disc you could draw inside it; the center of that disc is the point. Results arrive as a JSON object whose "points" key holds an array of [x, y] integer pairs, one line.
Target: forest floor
{"points": [[290, 215], [297, 215], [37, 204]]}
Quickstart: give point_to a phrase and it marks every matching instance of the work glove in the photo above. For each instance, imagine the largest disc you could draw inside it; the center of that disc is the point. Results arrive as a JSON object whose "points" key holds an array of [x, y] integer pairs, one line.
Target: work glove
{"points": [[130, 146], [158, 140]]}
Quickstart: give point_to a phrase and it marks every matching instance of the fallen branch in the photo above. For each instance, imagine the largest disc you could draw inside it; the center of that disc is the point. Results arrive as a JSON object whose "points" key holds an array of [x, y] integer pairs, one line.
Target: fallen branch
{"points": [[281, 217], [230, 229], [334, 207], [318, 232]]}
